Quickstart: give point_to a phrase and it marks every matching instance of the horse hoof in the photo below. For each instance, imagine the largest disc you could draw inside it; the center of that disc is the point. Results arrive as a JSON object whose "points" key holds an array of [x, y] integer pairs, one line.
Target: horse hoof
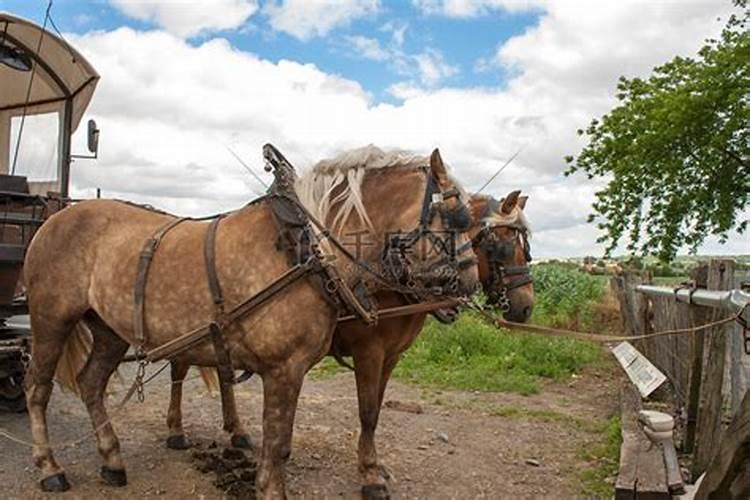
{"points": [[178, 442], [56, 482], [242, 441], [114, 477], [375, 492]]}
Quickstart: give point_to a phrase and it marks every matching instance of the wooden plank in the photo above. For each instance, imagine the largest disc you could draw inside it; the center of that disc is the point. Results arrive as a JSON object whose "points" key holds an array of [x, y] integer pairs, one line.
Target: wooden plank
{"points": [[698, 315], [642, 474], [737, 375], [708, 425], [728, 475]]}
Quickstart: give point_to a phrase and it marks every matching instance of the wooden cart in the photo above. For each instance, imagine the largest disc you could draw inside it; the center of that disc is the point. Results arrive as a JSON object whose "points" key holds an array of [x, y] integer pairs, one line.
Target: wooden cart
{"points": [[46, 87]]}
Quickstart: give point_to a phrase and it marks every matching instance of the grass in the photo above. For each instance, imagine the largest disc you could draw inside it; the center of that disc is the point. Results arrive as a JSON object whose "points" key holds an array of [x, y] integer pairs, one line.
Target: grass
{"points": [[327, 369], [605, 457], [566, 297], [472, 355]]}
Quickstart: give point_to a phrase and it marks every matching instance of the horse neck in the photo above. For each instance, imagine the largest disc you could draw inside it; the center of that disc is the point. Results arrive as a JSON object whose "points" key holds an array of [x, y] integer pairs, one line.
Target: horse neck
{"points": [[393, 200]]}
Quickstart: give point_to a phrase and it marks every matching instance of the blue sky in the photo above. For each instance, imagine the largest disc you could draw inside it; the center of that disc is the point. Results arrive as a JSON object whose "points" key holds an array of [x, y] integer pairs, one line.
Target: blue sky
{"points": [[481, 79], [461, 41]]}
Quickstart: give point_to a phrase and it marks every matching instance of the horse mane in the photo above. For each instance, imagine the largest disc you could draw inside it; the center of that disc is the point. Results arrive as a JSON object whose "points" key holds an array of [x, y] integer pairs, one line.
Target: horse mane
{"points": [[515, 218], [336, 183]]}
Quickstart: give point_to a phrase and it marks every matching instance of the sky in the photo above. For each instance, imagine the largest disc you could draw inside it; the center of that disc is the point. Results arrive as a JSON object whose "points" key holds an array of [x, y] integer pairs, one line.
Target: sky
{"points": [[183, 82]]}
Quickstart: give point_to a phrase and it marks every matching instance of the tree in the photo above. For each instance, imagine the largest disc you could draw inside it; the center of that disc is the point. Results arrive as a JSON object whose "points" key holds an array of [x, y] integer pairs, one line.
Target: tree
{"points": [[675, 150]]}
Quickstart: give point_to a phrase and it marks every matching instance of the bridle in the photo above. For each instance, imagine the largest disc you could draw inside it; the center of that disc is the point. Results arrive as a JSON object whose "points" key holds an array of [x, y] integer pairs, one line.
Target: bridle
{"points": [[499, 252], [439, 277]]}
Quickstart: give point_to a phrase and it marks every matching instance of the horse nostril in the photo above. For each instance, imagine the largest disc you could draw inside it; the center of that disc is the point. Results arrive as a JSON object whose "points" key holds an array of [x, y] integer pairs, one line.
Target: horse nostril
{"points": [[526, 312]]}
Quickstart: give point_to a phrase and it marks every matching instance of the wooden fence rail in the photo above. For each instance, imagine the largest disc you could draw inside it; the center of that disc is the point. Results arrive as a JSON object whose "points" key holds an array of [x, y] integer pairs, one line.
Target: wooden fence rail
{"points": [[705, 369]]}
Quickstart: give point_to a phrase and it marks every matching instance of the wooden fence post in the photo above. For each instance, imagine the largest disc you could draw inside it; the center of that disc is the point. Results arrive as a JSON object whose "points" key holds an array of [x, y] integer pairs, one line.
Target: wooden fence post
{"points": [[738, 377], [698, 315], [708, 425], [728, 475]]}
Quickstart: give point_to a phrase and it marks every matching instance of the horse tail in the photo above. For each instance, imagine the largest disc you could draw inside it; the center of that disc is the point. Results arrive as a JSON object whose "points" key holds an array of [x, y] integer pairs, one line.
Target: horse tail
{"points": [[76, 352], [210, 377]]}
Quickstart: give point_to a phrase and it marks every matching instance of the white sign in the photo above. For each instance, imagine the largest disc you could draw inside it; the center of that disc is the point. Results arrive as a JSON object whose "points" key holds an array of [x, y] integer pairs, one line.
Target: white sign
{"points": [[640, 370]]}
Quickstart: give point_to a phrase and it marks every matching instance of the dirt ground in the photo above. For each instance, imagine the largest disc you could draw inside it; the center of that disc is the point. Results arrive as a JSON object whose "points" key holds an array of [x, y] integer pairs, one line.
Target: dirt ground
{"points": [[463, 445]]}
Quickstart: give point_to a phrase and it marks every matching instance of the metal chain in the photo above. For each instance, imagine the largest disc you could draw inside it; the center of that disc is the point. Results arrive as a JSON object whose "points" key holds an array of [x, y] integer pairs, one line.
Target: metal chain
{"points": [[138, 383]]}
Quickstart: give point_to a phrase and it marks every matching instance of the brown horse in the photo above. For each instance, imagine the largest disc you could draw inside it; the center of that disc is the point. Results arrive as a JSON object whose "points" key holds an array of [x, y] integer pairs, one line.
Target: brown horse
{"points": [[82, 267], [499, 233]]}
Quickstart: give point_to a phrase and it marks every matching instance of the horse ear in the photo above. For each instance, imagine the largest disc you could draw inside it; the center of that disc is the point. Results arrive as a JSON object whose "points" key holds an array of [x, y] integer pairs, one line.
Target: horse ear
{"points": [[509, 203], [522, 202], [437, 167]]}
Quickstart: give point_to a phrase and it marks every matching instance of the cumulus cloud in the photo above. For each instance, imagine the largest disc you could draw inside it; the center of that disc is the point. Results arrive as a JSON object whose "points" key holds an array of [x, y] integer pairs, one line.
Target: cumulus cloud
{"points": [[369, 48], [471, 8], [166, 124], [305, 19], [190, 18], [428, 67]]}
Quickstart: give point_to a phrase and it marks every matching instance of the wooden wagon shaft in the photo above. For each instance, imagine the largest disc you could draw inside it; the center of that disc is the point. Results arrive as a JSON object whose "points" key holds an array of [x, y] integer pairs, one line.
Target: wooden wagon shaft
{"points": [[198, 335]]}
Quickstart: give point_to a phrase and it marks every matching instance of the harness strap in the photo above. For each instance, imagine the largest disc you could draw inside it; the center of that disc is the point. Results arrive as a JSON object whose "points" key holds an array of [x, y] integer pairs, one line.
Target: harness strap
{"points": [[144, 264], [424, 218], [196, 336], [209, 253], [223, 357]]}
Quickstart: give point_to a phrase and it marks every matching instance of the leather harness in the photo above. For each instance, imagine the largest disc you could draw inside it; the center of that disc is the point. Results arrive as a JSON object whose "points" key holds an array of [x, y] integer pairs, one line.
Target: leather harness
{"points": [[502, 277], [297, 237]]}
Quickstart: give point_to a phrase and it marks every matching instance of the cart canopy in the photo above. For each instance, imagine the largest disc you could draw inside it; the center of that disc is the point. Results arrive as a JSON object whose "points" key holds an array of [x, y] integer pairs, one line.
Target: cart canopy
{"points": [[61, 77]]}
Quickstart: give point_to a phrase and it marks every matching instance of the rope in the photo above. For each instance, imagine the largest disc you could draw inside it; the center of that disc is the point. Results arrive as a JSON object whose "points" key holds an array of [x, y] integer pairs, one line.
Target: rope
{"points": [[594, 337], [112, 414]]}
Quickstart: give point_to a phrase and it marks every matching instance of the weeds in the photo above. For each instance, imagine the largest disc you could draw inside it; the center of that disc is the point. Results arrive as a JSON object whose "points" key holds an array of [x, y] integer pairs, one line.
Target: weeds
{"points": [[471, 354], [566, 297], [604, 459]]}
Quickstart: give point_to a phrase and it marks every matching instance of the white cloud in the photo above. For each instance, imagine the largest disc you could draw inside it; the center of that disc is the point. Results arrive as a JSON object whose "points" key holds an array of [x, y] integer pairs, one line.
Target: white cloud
{"points": [[433, 68], [305, 19], [428, 67], [397, 29], [471, 8], [369, 48], [190, 18], [166, 119]]}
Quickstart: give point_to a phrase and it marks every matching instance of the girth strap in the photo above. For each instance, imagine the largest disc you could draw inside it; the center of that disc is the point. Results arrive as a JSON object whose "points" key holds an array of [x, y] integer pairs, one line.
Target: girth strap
{"points": [[144, 264], [223, 357]]}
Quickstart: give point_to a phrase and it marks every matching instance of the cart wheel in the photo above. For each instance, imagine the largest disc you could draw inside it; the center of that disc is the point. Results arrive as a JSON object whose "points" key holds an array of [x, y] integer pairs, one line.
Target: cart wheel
{"points": [[12, 396]]}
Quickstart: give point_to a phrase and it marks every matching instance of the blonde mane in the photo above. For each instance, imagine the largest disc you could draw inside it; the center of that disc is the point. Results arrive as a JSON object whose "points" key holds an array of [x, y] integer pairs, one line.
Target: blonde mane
{"points": [[344, 175], [515, 218]]}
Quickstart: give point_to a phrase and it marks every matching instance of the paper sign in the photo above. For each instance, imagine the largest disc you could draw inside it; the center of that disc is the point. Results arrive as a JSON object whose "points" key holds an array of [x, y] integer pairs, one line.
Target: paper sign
{"points": [[640, 370]]}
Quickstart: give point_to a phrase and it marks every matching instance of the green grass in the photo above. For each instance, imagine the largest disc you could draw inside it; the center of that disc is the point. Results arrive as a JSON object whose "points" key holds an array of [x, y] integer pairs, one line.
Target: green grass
{"points": [[604, 459], [472, 355], [327, 369], [566, 297]]}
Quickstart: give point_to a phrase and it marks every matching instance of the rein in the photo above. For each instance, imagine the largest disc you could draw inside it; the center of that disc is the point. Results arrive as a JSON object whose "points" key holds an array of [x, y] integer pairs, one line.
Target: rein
{"points": [[297, 237]]}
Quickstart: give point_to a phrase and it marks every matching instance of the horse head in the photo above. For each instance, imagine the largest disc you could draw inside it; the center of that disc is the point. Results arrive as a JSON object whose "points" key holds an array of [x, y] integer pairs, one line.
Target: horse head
{"points": [[500, 236]]}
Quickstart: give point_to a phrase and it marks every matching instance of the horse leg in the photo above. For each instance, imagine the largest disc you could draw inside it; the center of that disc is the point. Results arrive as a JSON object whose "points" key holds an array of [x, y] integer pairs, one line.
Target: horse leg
{"points": [[232, 424], [47, 345], [176, 439], [369, 364], [107, 352], [280, 393]]}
